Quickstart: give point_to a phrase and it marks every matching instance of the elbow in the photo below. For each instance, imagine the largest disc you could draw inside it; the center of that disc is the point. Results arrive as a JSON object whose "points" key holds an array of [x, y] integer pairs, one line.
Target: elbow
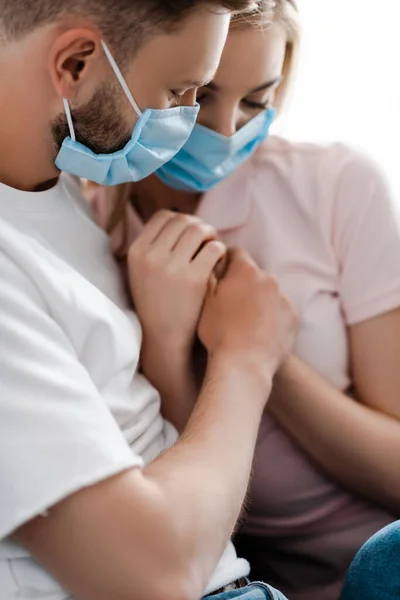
{"points": [[167, 571], [169, 586], [170, 564], [181, 578], [177, 587]]}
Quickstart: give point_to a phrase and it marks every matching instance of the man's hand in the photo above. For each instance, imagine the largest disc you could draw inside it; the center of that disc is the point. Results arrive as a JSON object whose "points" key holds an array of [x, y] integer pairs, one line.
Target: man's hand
{"points": [[246, 315]]}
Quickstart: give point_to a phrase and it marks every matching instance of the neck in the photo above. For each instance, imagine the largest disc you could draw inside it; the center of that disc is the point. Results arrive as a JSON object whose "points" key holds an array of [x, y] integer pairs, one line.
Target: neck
{"points": [[27, 150], [151, 195], [21, 167]]}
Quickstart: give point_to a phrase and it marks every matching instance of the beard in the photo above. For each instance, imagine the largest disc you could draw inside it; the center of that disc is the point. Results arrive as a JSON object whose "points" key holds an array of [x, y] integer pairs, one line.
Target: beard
{"points": [[98, 125]]}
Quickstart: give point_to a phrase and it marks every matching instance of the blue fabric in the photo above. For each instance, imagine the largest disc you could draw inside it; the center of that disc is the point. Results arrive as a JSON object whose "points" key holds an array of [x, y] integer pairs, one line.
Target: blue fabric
{"points": [[209, 157], [253, 591], [375, 571], [156, 138]]}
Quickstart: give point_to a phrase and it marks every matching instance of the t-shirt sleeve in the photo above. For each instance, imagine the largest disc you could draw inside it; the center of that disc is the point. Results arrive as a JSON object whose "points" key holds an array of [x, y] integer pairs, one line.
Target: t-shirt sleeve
{"points": [[366, 238], [57, 435]]}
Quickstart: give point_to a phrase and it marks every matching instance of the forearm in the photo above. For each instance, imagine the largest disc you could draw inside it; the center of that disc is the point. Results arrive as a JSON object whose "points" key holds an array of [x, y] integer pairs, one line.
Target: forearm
{"points": [[170, 370], [354, 444], [205, 475], [166, 526]]}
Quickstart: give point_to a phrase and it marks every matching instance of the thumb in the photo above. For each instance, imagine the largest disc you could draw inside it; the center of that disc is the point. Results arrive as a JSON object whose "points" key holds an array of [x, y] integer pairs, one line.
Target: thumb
{"points": [[238, 259]]}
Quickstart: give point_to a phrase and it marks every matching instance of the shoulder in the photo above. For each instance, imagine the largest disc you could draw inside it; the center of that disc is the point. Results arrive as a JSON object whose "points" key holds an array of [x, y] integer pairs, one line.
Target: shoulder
{"points": [[17, 289], [303, 159], [319, 173]]}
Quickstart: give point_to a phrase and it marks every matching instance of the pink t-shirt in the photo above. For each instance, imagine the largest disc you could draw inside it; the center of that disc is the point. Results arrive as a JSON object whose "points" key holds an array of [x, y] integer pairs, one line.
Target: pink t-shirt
{"points": [[322, 221]]}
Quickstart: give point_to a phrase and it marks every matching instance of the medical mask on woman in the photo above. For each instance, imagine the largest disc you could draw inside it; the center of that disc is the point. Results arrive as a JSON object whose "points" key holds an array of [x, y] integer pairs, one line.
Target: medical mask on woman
{"points": [[157, 136], [209, 157]]}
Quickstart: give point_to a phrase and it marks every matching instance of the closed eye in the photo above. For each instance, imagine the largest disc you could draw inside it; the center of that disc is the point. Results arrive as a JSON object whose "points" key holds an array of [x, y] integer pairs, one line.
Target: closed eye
{"points": [[256, 105]]}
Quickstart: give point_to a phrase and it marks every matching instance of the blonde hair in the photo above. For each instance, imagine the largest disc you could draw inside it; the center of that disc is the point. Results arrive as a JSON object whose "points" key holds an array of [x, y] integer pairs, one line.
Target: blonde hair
{"points": [[283, 12], [286, 14]]}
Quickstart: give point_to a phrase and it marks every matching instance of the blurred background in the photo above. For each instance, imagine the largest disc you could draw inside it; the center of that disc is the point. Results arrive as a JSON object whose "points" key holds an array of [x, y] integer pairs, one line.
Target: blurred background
{"points": [[348, 85]]}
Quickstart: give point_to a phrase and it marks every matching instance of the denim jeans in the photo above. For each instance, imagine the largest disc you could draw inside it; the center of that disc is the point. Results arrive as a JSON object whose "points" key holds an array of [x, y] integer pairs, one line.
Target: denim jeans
{"points": [[254, 591], [375, 571]]}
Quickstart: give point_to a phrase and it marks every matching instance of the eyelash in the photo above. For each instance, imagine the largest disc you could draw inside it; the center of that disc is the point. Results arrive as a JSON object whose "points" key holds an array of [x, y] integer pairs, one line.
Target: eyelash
{"points": [[257, 105], [248, 103]]}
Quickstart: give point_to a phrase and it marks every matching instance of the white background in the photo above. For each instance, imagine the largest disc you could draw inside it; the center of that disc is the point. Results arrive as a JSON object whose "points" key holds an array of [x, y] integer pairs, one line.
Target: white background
{"points": [[348, 85]]}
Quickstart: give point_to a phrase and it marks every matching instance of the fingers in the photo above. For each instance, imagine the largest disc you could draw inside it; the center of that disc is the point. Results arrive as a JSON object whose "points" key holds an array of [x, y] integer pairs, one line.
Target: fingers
{"points": [[184, 241], [192, 240], [154, 227], [208, 258], [221, 267], [168, 239], [169, 232]]}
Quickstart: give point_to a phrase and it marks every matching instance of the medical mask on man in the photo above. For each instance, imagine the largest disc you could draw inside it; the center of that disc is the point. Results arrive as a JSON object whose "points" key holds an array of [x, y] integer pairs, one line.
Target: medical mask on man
{"points": [[157, 136], [209, 157]]}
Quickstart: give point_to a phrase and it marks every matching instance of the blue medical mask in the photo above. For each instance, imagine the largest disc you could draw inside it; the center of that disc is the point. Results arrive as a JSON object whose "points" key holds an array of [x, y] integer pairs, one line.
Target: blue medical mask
{"points": [[208, 157], [157, 136]]}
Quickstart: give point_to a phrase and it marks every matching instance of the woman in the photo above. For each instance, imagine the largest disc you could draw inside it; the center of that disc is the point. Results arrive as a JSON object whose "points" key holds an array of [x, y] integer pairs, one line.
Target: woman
{"points": [[321, 220]]}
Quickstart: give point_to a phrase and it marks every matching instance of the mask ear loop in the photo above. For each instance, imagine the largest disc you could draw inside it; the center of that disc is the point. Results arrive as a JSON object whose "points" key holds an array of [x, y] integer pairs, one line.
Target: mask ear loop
{"points": [[69, 119], [122, 82], [121, 79]]}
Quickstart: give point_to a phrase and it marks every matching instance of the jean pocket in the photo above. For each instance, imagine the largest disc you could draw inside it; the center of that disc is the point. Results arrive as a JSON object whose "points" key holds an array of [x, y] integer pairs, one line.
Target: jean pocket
{"points": [[273, 594]]}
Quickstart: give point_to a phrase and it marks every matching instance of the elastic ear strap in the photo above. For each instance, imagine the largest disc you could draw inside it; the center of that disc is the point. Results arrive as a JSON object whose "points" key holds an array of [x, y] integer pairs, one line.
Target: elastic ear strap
{"points": [[69, 119], [121, 79]]}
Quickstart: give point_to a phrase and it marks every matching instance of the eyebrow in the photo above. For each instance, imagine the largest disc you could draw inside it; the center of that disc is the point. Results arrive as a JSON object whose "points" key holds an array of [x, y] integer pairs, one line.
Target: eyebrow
{"points": [[261, 88]]}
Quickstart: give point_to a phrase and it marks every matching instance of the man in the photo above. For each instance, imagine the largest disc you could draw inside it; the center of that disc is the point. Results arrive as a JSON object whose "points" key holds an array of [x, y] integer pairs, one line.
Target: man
{"points": [[94, 489]]}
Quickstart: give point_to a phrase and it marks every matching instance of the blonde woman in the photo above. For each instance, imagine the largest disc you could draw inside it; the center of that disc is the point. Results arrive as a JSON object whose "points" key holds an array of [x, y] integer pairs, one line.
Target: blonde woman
{"points": [[321, 220]]}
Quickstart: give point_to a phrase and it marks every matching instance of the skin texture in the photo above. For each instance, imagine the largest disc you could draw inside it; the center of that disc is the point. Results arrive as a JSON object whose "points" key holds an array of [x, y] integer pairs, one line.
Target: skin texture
{"points": [[155, 533], [356, 443], [66, 60], [160, 520], [173, 259], [226, 105]]}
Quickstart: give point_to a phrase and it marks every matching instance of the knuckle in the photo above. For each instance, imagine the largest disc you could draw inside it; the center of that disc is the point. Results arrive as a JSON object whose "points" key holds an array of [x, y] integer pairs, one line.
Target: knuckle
{"points": [[153, 261], [189, 220], [134, 253], [271, 284], [194, 229], [252, 270], [215, 248], [203, 229], [162, 214], [246, 265], [209, 229]]}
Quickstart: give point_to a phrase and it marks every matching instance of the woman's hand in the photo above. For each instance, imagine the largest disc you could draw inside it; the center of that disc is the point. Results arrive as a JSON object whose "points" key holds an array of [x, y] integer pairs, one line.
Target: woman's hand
{"points": [[170, 265]]}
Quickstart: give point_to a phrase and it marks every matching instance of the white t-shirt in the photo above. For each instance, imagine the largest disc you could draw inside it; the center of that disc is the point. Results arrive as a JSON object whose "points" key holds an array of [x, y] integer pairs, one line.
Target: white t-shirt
{"points": [[74, 409]]}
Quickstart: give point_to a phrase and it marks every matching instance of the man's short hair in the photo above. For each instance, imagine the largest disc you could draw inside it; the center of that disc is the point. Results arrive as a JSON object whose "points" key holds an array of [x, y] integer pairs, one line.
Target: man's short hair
{"points": [[123, 23]]}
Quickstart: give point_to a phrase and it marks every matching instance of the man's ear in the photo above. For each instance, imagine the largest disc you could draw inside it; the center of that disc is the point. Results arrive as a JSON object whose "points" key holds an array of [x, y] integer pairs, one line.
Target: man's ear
{"points": [[77, 64]]}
